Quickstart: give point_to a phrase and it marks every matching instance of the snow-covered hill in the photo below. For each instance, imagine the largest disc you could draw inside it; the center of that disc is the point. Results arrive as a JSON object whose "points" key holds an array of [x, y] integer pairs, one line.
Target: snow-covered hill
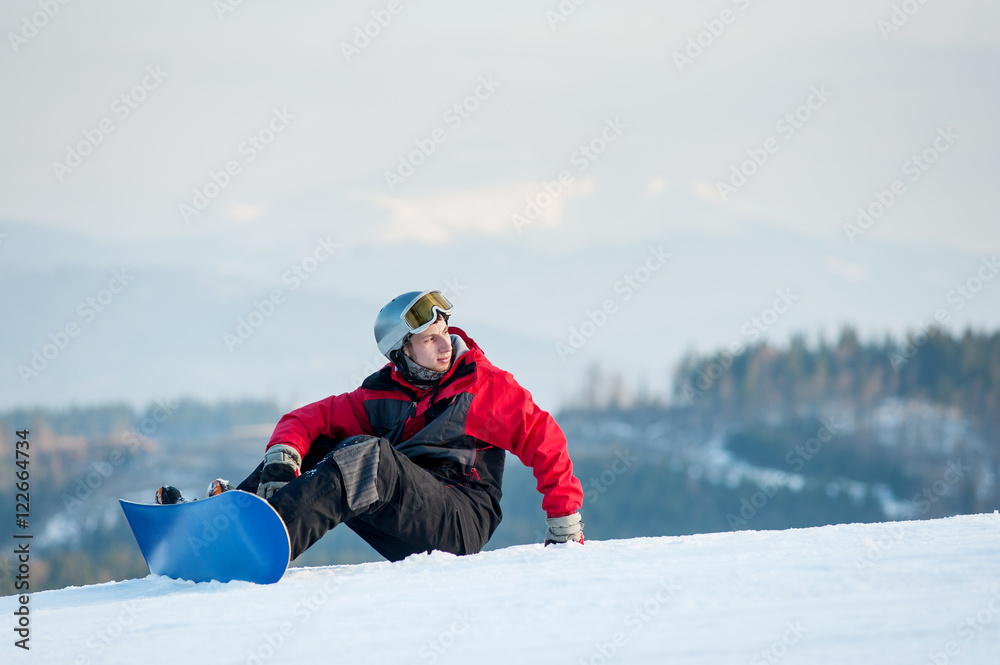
{"points": [[905, 592]]}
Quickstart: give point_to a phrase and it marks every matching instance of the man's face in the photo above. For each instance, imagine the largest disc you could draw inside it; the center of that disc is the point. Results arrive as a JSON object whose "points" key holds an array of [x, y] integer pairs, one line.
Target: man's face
{"points": [[432, 347]]}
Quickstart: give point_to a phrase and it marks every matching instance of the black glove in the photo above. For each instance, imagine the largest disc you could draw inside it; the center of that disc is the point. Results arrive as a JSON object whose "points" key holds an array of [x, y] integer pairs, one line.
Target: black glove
{"points": [[564, 529], [281, 466]]}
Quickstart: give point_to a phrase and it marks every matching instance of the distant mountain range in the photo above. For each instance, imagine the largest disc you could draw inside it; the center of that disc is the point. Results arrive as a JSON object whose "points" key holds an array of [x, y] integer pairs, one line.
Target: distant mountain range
{"points": [[90, 321]]}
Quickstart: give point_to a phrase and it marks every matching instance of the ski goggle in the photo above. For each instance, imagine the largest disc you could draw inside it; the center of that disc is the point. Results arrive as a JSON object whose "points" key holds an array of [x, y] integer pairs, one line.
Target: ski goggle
{"points": [[423, 311]]}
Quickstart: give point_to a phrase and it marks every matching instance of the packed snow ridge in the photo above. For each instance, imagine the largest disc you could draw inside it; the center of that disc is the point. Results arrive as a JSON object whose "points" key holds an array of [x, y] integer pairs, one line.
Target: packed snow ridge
{"points": [[901, 592]]}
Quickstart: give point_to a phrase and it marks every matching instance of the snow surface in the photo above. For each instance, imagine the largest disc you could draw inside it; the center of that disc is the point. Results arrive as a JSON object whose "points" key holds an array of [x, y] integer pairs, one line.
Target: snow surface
{"points": [[904, 592]]}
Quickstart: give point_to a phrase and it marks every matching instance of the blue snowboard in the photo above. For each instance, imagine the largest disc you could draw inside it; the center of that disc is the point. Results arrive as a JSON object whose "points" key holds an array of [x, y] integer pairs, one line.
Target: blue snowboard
{"points": [[231, 536]]}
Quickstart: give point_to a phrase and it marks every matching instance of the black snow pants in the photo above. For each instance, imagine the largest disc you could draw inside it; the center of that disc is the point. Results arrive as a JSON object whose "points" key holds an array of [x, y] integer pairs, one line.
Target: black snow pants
{"points": [[396, 506]]}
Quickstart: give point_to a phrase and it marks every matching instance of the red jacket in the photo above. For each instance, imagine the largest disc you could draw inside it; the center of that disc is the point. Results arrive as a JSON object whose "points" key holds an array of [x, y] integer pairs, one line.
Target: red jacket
{"points": [[458, 429]]}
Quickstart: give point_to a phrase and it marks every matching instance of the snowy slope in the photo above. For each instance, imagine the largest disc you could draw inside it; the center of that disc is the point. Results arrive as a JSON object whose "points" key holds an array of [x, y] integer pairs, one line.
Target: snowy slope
{"points": [[906, 592]]}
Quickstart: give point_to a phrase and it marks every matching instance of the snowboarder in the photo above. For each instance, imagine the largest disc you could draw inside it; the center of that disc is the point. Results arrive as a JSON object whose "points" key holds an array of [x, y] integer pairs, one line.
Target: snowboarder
{"points": [[413, 459]]}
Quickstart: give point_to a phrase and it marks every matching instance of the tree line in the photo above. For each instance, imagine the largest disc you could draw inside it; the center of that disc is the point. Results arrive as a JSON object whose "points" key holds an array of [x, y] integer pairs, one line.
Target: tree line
{"points": [[961, 370]]}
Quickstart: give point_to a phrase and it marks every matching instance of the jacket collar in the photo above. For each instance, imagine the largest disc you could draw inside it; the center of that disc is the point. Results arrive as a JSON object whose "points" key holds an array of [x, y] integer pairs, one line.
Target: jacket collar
{"points": [[466, 352]]}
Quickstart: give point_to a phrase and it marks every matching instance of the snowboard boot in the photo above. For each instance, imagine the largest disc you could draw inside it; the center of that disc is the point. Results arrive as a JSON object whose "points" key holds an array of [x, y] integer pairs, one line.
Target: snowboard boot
{"points": [[218, 486], [169, 495]]}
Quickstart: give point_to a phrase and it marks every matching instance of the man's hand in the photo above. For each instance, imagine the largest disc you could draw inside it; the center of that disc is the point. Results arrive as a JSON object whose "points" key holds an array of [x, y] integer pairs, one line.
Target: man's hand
{"points": [[564, 529], [281, 466]]}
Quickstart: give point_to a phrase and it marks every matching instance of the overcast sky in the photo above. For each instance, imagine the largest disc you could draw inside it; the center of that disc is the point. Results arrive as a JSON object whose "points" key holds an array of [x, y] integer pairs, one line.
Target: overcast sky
{"points": [[226, 139]]}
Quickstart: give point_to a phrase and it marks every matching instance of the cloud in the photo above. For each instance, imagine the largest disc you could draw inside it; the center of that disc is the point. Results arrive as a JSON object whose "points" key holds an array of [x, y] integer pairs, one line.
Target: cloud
{"points": [[852, 272], [244, 212], [705, 190], [481, 211]]}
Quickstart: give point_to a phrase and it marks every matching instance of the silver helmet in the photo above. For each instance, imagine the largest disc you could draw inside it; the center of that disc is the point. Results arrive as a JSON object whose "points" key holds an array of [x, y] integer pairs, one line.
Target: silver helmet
{"points": [[406, 315]]}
